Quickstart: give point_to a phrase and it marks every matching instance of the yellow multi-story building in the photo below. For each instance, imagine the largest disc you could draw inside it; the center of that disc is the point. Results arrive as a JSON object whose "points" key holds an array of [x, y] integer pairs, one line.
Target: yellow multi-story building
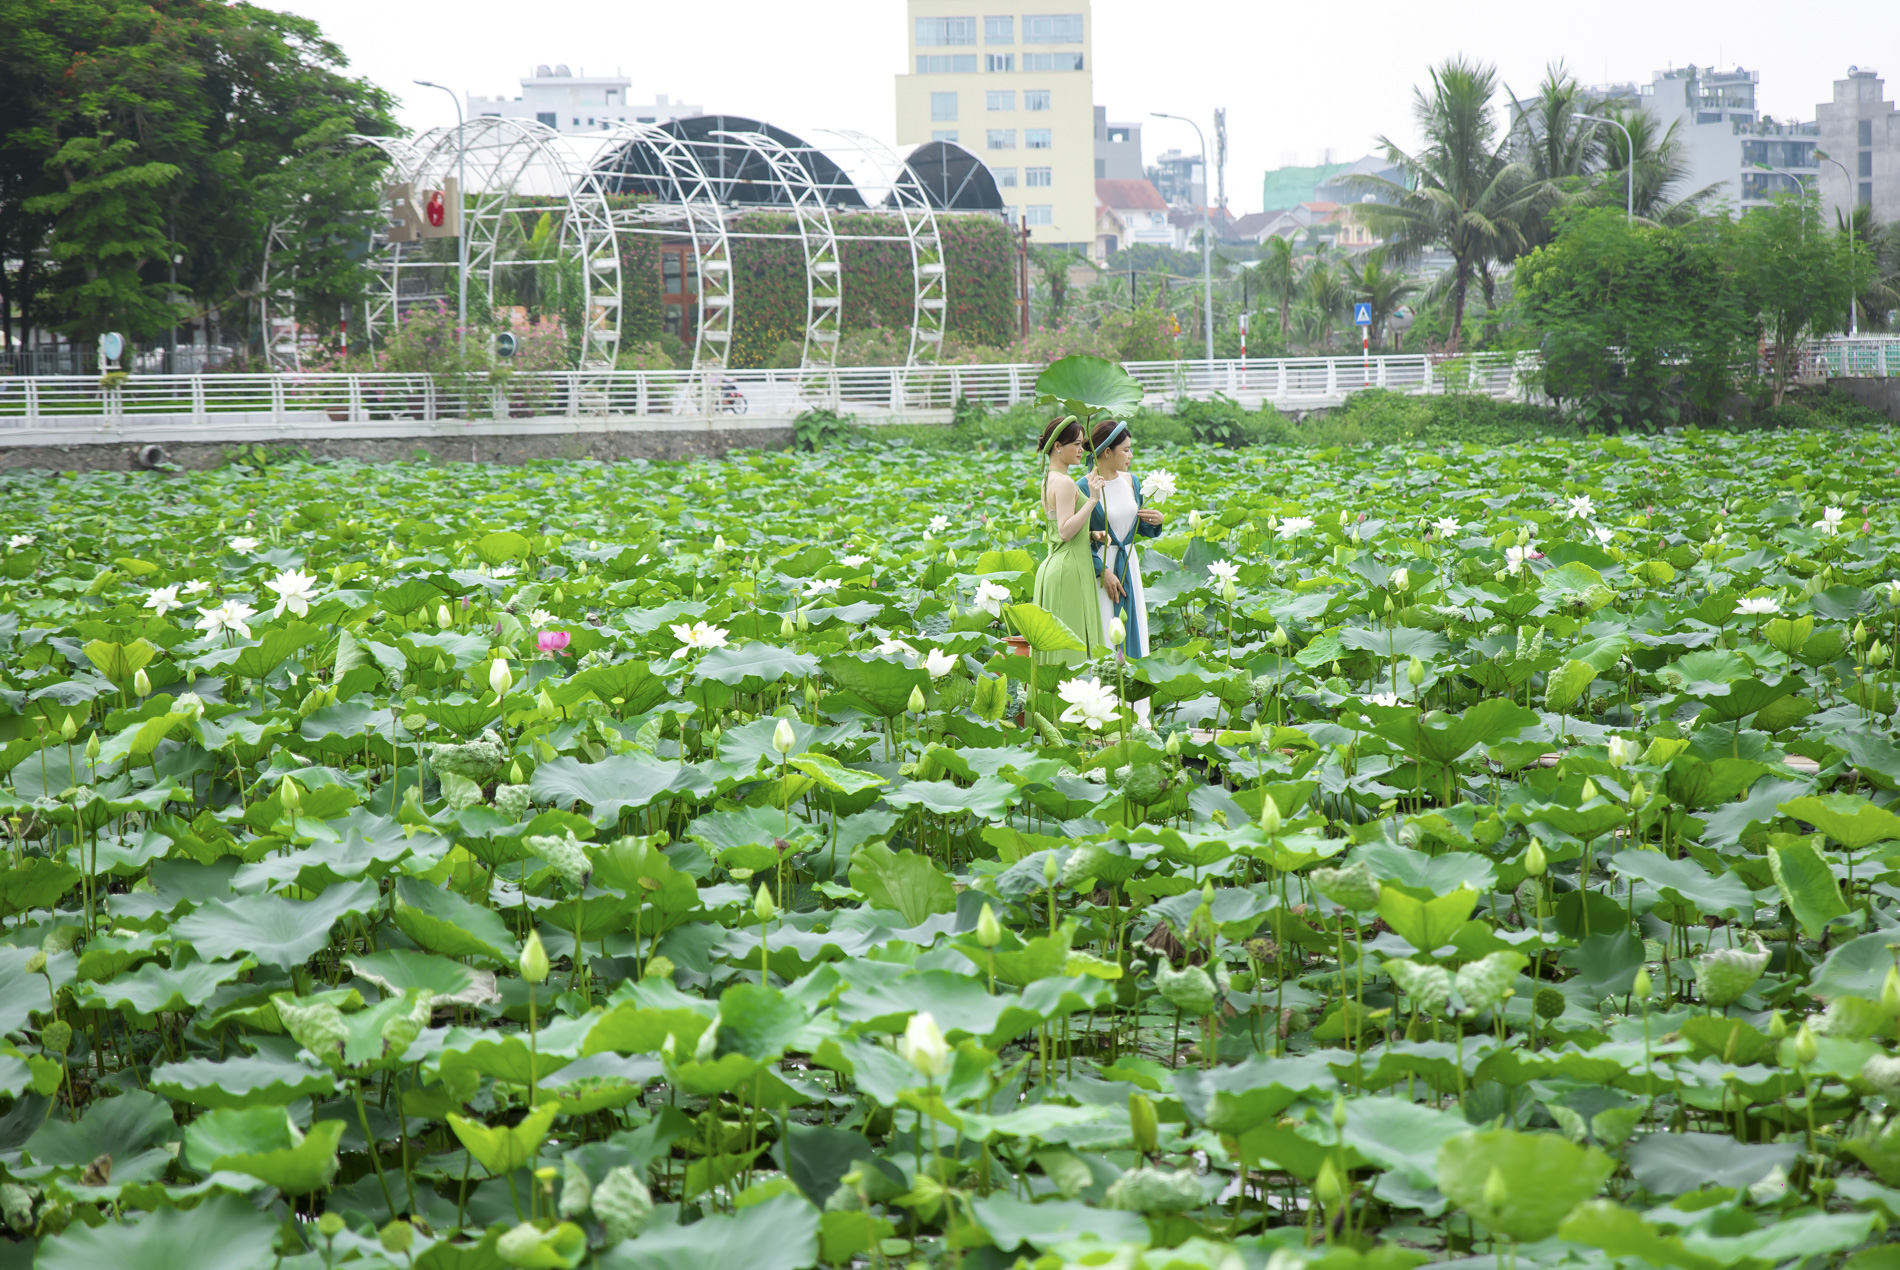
{"points": [[1014, 86]]}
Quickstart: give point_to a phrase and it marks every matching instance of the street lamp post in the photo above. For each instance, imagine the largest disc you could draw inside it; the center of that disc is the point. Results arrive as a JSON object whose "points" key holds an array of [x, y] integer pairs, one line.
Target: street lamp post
{"points": [[1853, 273], [1207, 236], [461, 219], [1800, 189], [1629, 167]]}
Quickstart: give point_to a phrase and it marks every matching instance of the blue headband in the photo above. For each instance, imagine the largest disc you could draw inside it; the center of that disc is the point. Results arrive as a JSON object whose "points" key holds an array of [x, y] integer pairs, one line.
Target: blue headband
{"points": [[1113, 437]]}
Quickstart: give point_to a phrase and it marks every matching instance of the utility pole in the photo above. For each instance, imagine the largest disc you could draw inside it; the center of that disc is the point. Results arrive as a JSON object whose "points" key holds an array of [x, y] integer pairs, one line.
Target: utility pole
{"points": [[1220, 156], [461, 218], [1207, 236]]}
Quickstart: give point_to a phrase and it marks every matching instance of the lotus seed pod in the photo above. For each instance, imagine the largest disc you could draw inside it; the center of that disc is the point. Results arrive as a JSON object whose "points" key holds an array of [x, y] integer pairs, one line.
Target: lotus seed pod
{"points": [[534, 959], [1143, 1123], [1548, 1003], [762, 906], [1723, 976], [330, 1225], [1353, 887], [622, 1203], [989, 931], [57, 1036], [1534, 862], [397, 1237]]}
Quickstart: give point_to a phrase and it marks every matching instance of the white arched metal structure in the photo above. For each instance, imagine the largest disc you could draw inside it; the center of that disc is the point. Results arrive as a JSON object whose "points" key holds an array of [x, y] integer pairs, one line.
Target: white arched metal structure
{"points": [[693, 207], [886, 180], [516, 172], [824, 278]]}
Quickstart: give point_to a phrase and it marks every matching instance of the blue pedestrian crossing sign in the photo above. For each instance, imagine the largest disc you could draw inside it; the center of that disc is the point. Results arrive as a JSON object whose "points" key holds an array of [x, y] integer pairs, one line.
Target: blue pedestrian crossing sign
{"points": [[1362, 314]]}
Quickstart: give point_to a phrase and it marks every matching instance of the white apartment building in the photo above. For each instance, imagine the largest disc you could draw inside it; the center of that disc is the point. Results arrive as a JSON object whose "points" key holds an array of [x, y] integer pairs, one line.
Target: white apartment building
{"points": [[578, 104], [1012, 85]]}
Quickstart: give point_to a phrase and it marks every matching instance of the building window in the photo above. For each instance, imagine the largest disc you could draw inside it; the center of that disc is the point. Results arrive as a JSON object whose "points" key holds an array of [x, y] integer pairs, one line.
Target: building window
{"points": [[1036, 99], [1157, 218], [933, 32], [999, 30], [1052, 28], [1867, 163], [1037, 62], [946, 64], [1040, 214], [1012, 215], [1866, 193], [1005, 178], [943, 107], [1866, 137], [1101, 168], [646, 118], [944, 134], [995, 62], [1036, 139], [1039, 178], [546, 117], [1001, 139], [999, 101]]}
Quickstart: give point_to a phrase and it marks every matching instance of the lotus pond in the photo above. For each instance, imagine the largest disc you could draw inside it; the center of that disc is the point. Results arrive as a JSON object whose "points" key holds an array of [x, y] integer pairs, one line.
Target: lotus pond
{"points": [[673, 865]]}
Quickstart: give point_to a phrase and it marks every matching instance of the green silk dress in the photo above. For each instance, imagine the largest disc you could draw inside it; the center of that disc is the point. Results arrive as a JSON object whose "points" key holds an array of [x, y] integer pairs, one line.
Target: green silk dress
{"points": [[1066, 586]]}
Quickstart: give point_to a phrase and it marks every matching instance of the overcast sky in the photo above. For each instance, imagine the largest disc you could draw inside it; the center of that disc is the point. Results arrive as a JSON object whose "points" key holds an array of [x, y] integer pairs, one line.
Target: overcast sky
{"points": [[1295, 80]]}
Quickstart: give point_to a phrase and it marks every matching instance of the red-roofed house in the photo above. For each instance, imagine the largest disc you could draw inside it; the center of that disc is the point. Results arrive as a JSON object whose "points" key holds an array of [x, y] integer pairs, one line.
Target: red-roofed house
{"points": [[1128, 214]]}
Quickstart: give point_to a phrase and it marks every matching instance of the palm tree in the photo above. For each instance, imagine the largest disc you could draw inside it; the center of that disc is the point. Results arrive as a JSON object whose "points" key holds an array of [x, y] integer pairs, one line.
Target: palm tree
{"points": [[1326, 294], [1551, 141], [1278, 275], [1467, 193], [1876, 282], [1659, 167], [1368, 281]]}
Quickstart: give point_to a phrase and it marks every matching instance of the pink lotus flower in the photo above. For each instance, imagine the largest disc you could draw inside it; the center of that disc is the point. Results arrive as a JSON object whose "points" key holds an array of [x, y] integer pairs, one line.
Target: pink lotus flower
{"points": [[552, 642]]}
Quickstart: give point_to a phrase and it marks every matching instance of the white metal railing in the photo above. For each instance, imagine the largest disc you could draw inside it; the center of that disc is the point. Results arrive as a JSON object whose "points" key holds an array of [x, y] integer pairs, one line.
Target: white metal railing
{"points": [[314, 403], [1872, 357]]}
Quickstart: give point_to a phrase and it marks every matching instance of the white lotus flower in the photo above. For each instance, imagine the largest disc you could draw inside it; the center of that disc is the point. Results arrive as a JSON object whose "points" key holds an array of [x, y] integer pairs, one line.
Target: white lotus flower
{"points": [[697, 638], [189, 703], [784, 739], [1623, 752], [232, 615], [163, 600], [1831, 518], [197, 586], [939, 663], [1757, 606], [294, 590], [1603, 534], [1383, 699], [937, 525], [1517, 558], [1223, 570], [923, 1046], [1091, 703], [502, 571], [500, 678], [894, 645], [244, 546], [991, 596], [1446, 526], [540, 617], [1580, 508], [1294, 526], [1157, 486], [853, 562], [21, 540], [821, 586]]}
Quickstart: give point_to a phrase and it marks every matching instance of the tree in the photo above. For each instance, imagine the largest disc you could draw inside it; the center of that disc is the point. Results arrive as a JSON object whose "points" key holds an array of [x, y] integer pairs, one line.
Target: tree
{"points": [[1874, 266], [1549, 138], [1369, 281], [1325, 295], [1467, 193], [1795, 277], [1054, 264], [1634, 320], [1278, 275], [1658, 165]]}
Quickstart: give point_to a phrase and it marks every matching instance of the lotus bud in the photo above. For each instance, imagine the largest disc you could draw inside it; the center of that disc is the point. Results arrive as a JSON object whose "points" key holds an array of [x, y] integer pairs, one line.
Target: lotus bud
{"points": [[1117, 632], [500, 678], [1143, 1123], [1401, 580], [950, 557], [1229, 592], [762, 906], [1590, 789], [544, 704], [1173, 746], [1622, 752], [534, 959], [1890, 992], [1280, 638], [1534, 862], [1639, 795], [923, 1046], [1415, 672], [290, 796], [1194, 522], [36, 964], [785, 626], [916, 703], [70, 728], [1049, 869], [1496, 1193], [1806, 1048], [1326, 1188], [989, 931], [330, 1225], [784, 738], [1642, 985], [92, 748], [804, 618], [1270, 817], [442, 616], [1388, 606], [1523, 536], [1777, 1026], [719, 544], [142, 683]]}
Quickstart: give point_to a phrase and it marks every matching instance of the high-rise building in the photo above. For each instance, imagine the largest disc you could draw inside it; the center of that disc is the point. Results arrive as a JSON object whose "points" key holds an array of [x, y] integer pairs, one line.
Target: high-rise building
{"points": [[579, 104], [1117, 149], [1014, 88], [1860, 130]]}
